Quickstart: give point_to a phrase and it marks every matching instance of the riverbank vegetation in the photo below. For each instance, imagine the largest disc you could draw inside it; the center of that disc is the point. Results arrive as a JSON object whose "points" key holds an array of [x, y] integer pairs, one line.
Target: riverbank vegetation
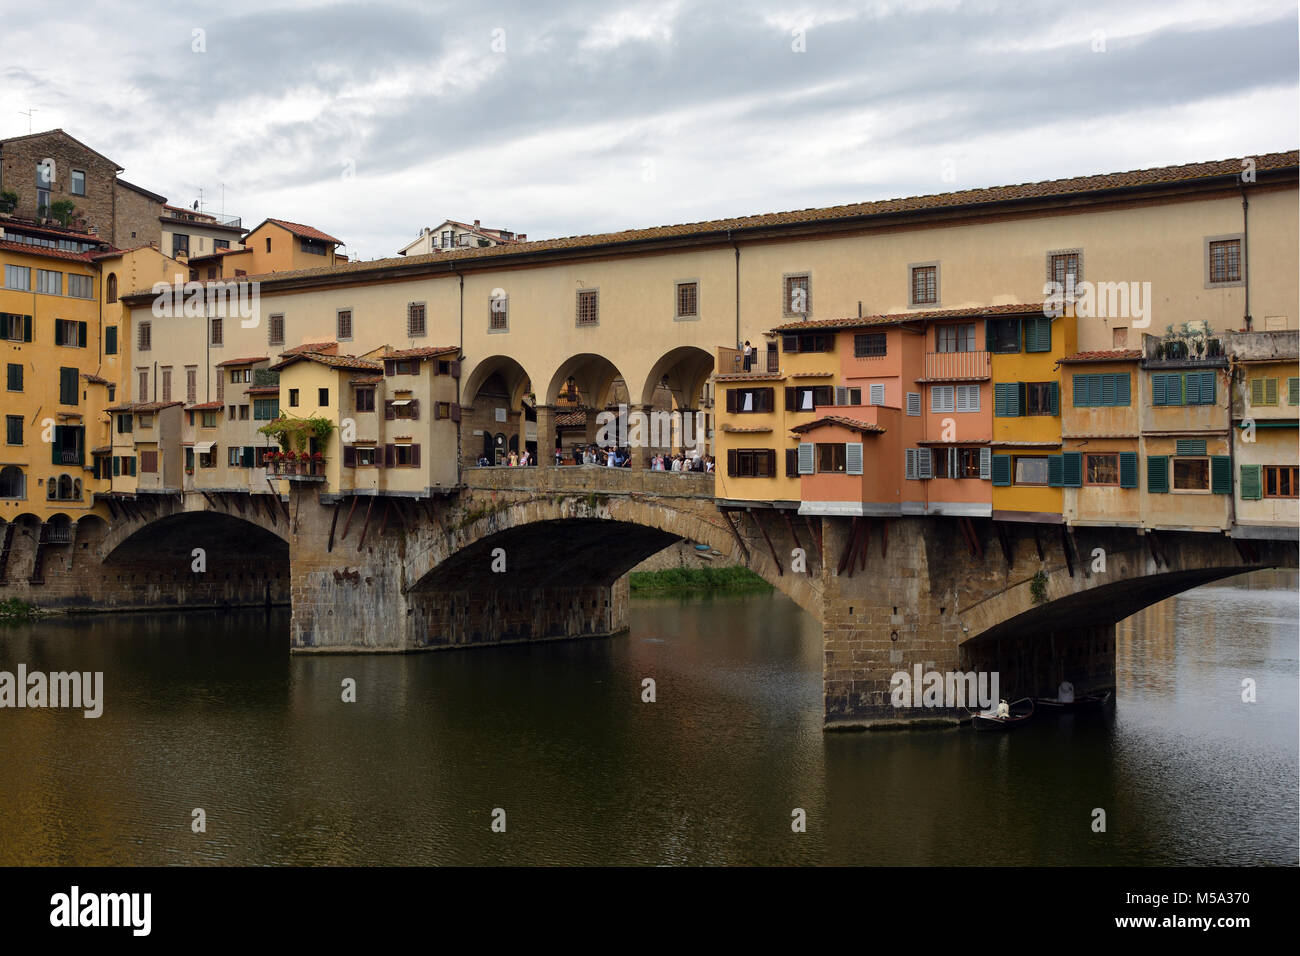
{"points": [[731, 578], [13, 609]]}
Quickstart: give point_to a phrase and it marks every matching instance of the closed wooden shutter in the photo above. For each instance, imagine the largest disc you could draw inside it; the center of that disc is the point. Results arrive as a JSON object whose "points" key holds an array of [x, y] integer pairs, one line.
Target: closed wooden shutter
{"points": [[731, 462], [1073, 468], [877, 394], [731, 399], [1054, 398], [1001, 470], [924, 463], [1157, 474], [415, 455], [1293, 391], [1128, 469], [1055, 471], [791, 401], [1079, 389], [415, 409], [792, 462], [390, 456], [853, 458], [914, 403], [1252, 483], [909, 464], [986, 463], [390, 413], [1190, 446], [1123, 390], [455, 412], [1220, 475], [349, 456], [807, 456]]}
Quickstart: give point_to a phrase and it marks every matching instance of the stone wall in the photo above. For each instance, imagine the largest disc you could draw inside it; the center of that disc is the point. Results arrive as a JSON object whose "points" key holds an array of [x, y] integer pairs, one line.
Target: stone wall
{"points": [[136, 221], [18, 162]]}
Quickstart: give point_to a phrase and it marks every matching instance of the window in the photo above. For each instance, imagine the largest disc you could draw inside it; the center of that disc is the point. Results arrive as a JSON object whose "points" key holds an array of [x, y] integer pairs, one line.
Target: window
{"points": [[442, 411], [18, 278], [314, 247], [266, 409], [15, 328], [217, 330], [13, 429], [208, 459], [144, 337], [243, 413], [167, 384], [1031, 470], [81, 287], [774, 359], [914, 404], [688, 300], [180, 245], [110, 340], [234, 456], [323, 397], [191, 385], [955, 338], [268, 243], [1101, 469], [830, 458], [1192, 388], [1002, 336], [365, 456], [146, 421], [293, 398], [1280, 481], [802, 398], [1092, 391], [869, 344], [1191, 474], [48, 282], [1041, 398], [967, 398], [969, 462], [406, 456], [344, 323], [13, 483], [149, 462], [740, 400], [588, 307], [143, 383], [78, 185], [70, 333], [275, 330], [220, 244], [796, 294], [210, 419], [1063, 269], [415, 325], [925, 285], [808, 342], [751, 463], [365, 400], [403, 408], [14, 379], [240, 375], [1224, 261], [1263, 391], [68, 387]]}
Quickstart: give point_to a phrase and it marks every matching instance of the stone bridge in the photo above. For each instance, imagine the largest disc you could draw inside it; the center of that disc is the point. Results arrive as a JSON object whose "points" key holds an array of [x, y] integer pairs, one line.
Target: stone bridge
{"points": [[531, 554]]}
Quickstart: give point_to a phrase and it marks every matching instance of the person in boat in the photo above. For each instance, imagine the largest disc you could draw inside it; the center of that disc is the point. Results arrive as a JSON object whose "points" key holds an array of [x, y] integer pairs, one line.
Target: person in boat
{"points": [[1065, 693], [1004, 710]]}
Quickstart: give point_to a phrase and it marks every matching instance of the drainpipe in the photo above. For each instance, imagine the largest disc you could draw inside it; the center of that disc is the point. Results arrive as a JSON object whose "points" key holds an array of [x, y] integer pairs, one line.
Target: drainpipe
{"points": [[460, 352], [1245, 253], [737, 249], [1245, 280]]}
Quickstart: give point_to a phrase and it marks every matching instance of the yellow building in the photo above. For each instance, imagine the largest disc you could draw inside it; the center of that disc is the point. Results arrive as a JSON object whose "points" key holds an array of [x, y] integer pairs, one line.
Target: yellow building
{"points": [[1100, 435], [54, 390], [1027, 420], [1265, 416]]}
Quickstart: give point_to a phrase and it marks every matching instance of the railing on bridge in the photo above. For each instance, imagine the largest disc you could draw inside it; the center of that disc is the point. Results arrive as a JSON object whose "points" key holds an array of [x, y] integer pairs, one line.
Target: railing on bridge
{"points": [[586, 479]]}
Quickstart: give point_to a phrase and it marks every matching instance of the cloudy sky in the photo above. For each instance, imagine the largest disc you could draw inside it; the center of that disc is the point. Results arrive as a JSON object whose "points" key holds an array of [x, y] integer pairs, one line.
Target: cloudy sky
{"points": [[373, 120]]}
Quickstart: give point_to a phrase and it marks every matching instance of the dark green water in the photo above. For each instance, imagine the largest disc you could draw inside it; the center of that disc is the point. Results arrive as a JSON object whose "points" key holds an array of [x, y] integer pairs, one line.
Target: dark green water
{"points": [[206, 710]]}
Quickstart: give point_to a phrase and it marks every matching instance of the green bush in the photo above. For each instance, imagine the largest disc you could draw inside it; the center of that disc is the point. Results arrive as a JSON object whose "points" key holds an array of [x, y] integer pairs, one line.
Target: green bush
{"points": [[731, 578]]}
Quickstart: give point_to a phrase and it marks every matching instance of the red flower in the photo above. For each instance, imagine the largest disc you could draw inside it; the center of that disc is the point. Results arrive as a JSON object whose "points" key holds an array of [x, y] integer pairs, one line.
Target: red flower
{"points": [[317, 456]]}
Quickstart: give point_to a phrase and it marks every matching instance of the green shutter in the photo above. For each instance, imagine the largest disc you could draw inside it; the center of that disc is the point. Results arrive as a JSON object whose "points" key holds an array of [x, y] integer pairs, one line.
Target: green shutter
{"points": [[1128, 469], [27, 328], [1192, 389], [1038, 335], [1095, 390], [1079, 388], [57, 447], [246, 457], [1055, 397], [1002, 395], [1293, 391], [1252, 484], [81, 445], [117, 464], [1073, 461], [1122, 395], [1001, 470], [1055, 471], [110, 340], [1157, 390], [1208, 381], [1157, 474], [58, 331], [1220, 475], [1190, 446], [81, 334], [1108, 385]]}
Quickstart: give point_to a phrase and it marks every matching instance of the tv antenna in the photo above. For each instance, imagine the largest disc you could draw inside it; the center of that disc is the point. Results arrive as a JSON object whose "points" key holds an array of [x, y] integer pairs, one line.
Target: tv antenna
{"points": [[28, 113]]}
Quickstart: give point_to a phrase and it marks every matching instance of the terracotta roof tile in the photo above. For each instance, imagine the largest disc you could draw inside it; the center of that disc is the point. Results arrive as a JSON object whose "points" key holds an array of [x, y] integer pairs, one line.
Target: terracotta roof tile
{"points": [[262, 390], [369, 380], [324, 348], [1106, 355], [348, 362], [244, 361], [95, 379], [48, 253], [749, 377], [570, 419], [860, 426], [746, 429], [422, 352], [142, 406], [306, 232], [205, 407]]}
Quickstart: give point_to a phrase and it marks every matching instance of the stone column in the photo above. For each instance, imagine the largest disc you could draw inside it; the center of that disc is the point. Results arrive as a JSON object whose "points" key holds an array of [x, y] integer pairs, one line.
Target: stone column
{"points": [[545, 436]]}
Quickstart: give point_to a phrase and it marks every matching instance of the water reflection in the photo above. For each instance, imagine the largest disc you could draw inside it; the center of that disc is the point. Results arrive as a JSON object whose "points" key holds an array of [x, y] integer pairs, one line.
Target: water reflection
{"points": [[209, 711]]}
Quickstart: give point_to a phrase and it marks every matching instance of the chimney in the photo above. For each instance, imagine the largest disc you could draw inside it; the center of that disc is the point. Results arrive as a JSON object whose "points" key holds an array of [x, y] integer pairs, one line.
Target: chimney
{"points": [[476, 224], [522, 237]]}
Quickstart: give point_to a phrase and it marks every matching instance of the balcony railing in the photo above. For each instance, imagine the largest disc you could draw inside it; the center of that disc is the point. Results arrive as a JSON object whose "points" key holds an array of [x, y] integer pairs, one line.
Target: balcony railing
{"points": [[957, 365], [296, 469]]}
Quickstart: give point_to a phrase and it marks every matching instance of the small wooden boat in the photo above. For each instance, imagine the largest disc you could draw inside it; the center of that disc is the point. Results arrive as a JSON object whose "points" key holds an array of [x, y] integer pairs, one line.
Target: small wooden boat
{"points": [[1020, 713], [1084, 702]]}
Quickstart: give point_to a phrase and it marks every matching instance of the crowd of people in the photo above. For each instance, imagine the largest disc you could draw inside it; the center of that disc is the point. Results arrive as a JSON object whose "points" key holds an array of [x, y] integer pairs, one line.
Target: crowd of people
{"points": [[609, 457]]}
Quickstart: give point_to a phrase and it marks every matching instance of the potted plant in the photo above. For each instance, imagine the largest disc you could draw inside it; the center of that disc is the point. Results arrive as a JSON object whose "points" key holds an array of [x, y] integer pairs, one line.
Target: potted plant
{"points": [[317, 463]]}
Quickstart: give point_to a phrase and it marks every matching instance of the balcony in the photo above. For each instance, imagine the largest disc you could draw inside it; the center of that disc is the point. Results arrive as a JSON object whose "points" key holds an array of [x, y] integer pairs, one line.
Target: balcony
{"points": [[1187, 349], [957, 366], [296, 468]]}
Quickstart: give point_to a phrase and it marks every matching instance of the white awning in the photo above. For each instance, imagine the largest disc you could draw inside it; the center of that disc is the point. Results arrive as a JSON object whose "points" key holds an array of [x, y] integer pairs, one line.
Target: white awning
{"points": [[402, 401], [203, 447]]}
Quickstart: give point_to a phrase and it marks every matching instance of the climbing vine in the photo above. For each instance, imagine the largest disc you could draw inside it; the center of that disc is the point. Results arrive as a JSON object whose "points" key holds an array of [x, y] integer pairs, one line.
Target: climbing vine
{"points": [[287, 429]]}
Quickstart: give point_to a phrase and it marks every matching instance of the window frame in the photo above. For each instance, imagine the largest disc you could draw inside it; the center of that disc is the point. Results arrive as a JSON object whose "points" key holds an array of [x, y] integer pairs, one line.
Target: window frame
{"points": [[787, 293], [1087, 469], [1207, 259], [1276, 472], [694, 286], [593, 296], [1015, 471], [1175, 460], [912, 269]]}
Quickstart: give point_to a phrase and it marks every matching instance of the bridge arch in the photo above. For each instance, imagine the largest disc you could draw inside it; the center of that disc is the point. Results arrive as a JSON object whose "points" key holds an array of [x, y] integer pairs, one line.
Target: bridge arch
{"points": [[593, 376], [173, 528], [684, 371]]}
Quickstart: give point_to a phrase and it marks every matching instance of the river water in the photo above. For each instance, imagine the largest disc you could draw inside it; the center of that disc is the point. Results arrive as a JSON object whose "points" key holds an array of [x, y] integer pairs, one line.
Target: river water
{"points": [[210, 711]]}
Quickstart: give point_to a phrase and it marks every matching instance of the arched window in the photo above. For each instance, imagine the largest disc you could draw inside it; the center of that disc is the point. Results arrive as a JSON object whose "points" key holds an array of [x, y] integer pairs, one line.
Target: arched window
{"points": [[12, 483], [51, 489], [110, 287], [76, 488], [65, 487]]}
